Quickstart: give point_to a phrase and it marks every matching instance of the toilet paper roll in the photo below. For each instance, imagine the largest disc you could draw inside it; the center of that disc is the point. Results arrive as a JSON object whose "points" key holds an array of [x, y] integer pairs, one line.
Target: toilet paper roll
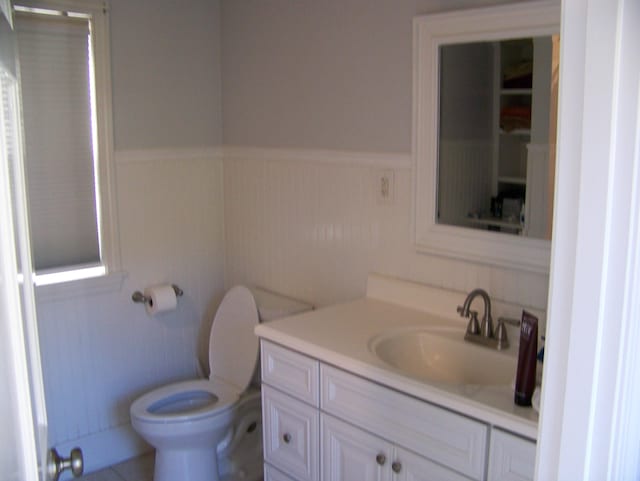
{"points": [[160, 299]]}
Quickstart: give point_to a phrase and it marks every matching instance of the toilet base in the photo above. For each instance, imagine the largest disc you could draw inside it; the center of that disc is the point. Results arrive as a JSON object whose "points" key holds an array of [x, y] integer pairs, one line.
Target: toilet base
{"points": [[240, 457], [186, 465]]}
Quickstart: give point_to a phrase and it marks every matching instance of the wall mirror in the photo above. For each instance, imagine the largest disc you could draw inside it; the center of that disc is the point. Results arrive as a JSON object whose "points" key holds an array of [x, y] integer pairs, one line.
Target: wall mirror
{"points": [[485, 96]]}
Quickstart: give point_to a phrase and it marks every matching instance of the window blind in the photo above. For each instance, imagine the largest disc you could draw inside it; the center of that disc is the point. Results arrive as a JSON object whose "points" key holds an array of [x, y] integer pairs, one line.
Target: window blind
{"points": [[54, 58]]}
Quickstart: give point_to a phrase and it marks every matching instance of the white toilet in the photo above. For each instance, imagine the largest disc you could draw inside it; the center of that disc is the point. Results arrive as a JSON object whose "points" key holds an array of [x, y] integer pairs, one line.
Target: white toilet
{"points": [[210, 429]]}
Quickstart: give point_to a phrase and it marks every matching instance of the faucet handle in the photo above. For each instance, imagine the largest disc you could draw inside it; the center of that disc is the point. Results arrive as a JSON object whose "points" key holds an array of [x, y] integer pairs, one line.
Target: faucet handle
{"points": [[474, 326], [500, 335], [461, 311]]}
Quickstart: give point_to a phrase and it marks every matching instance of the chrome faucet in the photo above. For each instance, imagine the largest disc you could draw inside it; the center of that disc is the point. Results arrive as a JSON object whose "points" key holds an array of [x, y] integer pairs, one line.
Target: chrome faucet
{"points": [[486, 328], [484, 334]]}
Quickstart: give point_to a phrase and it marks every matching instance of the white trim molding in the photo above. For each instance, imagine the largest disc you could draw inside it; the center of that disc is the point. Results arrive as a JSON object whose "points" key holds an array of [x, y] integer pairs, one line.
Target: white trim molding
{"points": [[392, 160], [168, 154], [105, 448], [111, 282]]}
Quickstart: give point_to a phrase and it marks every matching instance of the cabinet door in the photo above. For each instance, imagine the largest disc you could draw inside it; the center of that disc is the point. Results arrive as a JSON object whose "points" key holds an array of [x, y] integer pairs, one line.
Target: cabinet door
{"points": [[449, 439], [511, 458], [290, 433], [350, 454], [272, 474], [408, 466]]}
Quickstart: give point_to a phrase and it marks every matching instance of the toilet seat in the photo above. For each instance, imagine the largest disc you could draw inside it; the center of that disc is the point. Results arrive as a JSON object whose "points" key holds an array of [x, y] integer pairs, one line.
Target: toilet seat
{"points": [[184, 402]]}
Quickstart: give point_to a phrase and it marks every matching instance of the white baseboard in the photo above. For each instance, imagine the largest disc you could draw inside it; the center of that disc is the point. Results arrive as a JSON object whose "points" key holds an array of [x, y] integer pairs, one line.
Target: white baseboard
{"points": [[106, 448]]}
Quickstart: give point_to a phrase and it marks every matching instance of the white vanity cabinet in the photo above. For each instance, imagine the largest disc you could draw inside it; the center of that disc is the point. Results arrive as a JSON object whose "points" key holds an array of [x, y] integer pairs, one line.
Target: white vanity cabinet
{"points": [[321, 423]]}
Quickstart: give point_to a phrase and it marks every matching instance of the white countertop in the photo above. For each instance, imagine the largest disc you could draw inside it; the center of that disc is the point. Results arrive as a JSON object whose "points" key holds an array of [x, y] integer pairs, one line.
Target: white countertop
{"points": [[339, 335]]}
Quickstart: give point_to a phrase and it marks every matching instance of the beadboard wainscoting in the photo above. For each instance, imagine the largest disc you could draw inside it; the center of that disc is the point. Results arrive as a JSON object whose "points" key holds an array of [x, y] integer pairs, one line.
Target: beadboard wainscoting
{"points": [[465, 168], [99, 349], [311, 224], [307, 223]]}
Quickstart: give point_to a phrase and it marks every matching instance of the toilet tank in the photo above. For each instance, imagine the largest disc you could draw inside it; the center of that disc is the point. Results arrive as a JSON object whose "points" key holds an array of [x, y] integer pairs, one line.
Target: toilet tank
{"points": [[273, 306]]}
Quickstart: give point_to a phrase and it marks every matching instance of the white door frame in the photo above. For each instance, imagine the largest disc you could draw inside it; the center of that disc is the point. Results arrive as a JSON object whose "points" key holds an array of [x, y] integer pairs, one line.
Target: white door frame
{"points": [[21, 438], [25, 437], [589, 429]]}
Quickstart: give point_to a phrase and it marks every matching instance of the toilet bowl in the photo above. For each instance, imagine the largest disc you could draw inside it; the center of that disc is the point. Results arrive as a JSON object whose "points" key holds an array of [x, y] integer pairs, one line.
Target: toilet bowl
{"points": [[210, 429]]}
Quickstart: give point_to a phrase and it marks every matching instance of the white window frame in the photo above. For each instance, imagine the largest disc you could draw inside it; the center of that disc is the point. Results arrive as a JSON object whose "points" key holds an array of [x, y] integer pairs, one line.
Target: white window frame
{"points": [[106, 200]]}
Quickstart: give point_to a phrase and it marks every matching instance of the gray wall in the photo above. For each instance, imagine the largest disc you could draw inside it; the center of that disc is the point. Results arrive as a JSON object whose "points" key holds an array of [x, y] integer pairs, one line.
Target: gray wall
{"points": [[467, 92], [329, 74], [166, 73], [333, 74]]}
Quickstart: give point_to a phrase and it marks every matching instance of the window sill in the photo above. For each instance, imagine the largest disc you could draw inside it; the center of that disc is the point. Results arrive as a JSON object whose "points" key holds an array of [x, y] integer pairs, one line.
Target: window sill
{"points": [[111, 282]]}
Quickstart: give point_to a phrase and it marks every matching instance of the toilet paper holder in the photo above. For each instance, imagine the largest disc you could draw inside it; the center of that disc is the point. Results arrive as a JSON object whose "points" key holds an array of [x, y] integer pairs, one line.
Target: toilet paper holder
{"points": [[139, 297]]}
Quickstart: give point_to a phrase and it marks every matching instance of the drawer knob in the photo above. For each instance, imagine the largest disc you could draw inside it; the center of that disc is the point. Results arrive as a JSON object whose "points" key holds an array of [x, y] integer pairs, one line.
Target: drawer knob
{"points": [[381, 459], [396, 467], [286, 437]]}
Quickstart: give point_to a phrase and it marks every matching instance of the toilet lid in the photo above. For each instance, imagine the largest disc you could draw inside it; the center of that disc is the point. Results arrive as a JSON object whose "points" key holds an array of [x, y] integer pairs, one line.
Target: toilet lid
{"points": [[233, 347]]}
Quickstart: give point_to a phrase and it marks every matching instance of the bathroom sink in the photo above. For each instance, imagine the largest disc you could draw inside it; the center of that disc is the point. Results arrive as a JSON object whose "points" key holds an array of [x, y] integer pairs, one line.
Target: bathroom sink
{"points": [[441, 355]]}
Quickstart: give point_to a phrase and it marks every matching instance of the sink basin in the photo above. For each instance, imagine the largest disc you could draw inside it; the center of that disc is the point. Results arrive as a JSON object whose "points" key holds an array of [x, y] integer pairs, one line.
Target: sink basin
{"points": [[441, 355]]}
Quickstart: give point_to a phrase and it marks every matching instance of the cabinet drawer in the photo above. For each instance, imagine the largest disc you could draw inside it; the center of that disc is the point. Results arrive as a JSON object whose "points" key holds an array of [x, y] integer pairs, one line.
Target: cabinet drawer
{"points": [[290, 372], [435, 433], [291, 434], [511, 458], [272, 474]]}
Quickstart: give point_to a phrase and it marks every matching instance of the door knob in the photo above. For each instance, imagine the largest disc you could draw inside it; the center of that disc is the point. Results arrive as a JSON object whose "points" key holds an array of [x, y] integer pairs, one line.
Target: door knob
{"points": [[286, 438], [57, 464], [381, 459], [396, 467]]}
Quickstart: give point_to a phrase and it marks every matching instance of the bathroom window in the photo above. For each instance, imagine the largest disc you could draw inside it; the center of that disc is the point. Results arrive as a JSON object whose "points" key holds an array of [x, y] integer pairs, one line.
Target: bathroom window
{"points": [[68, 154]]}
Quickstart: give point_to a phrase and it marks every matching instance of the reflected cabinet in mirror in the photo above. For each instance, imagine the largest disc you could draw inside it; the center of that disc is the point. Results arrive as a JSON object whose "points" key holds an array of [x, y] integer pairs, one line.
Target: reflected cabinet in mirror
{"points": [[485, 96]]}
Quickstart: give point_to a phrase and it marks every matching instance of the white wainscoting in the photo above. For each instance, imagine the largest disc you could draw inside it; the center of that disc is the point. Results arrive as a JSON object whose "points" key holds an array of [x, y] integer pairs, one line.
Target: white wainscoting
{"points": [[539, 211], [99, 349], [303, 222], [309, 223], [465, 167]]}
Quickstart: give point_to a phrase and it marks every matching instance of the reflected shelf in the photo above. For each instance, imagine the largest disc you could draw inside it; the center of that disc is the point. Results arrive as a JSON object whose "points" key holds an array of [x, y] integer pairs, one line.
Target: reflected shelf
{"points": [[512, 180], [527, 91], [497, 222]]}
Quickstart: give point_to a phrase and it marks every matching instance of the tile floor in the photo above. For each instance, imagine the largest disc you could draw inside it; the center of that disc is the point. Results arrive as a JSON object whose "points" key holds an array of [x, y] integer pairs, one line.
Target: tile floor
{"points": [[136, 469]]}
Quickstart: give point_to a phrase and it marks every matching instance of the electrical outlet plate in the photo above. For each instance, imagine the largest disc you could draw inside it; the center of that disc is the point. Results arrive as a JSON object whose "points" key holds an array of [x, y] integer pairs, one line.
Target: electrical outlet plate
{"points": [[384, 185]]}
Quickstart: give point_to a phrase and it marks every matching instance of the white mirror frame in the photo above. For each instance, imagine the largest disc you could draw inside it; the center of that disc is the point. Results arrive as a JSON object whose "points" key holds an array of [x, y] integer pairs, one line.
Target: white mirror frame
{"points": [[532, 19]]}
